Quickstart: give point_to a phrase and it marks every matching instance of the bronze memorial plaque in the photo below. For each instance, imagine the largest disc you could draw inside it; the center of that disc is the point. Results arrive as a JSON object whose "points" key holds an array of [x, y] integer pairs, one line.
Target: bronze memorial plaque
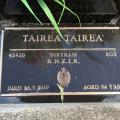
{"points": [[37, 61]]}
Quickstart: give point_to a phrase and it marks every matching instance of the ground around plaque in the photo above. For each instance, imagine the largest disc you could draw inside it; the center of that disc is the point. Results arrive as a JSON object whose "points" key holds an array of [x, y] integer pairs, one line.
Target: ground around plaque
{"points": [[68, 111]]}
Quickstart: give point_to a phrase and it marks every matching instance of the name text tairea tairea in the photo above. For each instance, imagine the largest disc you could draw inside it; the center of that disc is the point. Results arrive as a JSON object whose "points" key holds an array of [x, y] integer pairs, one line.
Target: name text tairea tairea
{"points": [[68, 38]]}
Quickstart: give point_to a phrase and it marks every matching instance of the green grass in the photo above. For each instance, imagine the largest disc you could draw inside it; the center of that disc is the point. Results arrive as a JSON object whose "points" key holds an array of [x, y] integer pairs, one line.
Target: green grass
{"points": [[54, 22], [49, 14]]}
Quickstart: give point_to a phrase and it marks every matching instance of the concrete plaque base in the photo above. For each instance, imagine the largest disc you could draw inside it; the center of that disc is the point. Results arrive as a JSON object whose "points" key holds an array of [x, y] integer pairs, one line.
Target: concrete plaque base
{"points": [[79, 111]]}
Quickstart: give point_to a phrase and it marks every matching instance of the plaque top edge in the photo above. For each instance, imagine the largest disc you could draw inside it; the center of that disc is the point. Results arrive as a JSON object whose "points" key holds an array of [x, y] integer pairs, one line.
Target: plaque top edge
{"points": [[62, 28]]}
